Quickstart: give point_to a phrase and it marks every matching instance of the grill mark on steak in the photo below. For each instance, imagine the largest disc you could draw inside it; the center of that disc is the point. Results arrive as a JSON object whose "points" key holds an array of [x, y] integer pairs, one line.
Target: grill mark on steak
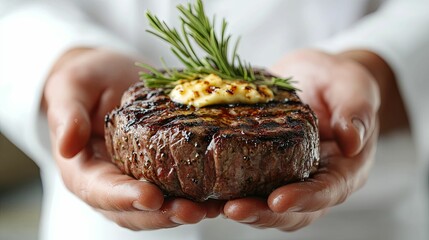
{"points": [[146, 115], [222, 152]]}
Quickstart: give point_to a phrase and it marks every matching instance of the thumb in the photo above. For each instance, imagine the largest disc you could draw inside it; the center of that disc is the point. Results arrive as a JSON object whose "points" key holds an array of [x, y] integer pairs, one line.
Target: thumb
{"points": [[354, 105], [68, 111], [70, 127]]}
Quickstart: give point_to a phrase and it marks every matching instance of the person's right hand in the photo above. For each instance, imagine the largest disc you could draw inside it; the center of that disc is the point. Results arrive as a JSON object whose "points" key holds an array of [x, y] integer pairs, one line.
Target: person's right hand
{"points": [[84, 85]]}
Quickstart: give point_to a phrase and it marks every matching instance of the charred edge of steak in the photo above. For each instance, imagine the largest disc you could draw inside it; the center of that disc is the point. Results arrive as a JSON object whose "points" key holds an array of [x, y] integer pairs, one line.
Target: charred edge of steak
{"points": [[220, 152]]}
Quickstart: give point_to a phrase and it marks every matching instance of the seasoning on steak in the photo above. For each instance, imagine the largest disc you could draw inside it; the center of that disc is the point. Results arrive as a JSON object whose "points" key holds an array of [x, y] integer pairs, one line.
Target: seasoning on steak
{"points": [[220, 152]]}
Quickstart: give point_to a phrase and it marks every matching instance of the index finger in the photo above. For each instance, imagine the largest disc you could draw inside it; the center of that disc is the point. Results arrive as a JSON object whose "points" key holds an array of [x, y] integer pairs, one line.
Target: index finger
{"points": [[102, 185], [69, 104]]}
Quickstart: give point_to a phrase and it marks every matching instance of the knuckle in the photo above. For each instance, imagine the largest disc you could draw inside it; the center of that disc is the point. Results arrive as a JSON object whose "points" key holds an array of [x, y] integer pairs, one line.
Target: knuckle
{"points": [[323, 194], [85, 188], [334, 189], [274, 221], [304, 221], [125, 223], [345, 188]]}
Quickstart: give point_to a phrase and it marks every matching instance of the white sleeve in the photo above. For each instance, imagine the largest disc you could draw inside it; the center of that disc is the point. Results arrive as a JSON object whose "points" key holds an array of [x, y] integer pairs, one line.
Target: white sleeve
{"points": [[398, 32], [33, 34]]}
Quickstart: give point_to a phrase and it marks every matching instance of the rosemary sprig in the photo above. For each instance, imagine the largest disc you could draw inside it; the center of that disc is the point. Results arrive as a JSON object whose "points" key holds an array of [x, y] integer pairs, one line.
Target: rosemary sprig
{"points": [[198, 29]]}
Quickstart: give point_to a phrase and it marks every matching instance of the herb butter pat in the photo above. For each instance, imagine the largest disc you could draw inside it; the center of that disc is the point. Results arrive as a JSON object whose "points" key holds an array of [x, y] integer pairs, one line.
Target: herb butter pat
{"points": [[212, 90]]}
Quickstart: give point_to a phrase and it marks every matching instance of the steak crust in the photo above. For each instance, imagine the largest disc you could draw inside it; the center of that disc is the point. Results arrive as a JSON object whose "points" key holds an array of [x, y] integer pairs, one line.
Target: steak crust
{"points": [[220, 151]]}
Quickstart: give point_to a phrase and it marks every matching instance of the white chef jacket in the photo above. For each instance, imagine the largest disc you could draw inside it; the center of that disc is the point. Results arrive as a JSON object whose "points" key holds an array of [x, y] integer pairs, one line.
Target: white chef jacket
{"points": [[33, 34]]}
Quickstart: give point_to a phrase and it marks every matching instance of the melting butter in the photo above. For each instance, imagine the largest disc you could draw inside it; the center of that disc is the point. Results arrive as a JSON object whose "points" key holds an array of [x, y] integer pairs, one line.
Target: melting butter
{"points": [[212, 90]]}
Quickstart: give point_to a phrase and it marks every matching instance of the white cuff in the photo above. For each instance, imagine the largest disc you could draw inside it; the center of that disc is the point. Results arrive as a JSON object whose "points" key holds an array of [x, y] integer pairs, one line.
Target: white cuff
{"points": [[399, 33]]}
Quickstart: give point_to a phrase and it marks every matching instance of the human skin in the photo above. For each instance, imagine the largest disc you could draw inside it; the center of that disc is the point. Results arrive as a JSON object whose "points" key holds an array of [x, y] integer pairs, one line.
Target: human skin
{"points": [[345, 97], [85, 84]]}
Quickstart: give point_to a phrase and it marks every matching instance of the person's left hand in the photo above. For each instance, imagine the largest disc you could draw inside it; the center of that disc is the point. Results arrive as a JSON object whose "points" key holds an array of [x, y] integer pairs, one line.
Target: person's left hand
{"points": [[346, 99]]}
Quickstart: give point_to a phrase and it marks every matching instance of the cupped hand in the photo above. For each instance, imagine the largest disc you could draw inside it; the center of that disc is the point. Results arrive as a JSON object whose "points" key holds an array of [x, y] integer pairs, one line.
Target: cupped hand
{"points": [[346, 99], [84, 85], [343, 93]]}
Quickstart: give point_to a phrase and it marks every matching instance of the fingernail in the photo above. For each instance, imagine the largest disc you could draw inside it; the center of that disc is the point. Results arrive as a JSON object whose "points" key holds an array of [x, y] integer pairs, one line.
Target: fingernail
{"points": [[250, 219], [360, 127], [138, 206], [294, 209], [177, 220]]}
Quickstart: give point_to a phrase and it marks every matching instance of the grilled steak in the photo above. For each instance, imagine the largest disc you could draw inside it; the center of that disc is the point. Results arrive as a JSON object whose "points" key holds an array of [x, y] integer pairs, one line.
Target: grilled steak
{"points": [[220, 152]]}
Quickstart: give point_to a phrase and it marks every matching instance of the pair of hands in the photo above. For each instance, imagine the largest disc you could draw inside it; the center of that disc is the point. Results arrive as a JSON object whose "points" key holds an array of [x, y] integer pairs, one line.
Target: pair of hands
{"points": [[85, 84]]}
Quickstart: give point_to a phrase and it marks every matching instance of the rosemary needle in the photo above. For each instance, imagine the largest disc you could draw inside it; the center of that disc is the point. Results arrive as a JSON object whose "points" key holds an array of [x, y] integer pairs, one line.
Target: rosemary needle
{"points": [[199, 30]]}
